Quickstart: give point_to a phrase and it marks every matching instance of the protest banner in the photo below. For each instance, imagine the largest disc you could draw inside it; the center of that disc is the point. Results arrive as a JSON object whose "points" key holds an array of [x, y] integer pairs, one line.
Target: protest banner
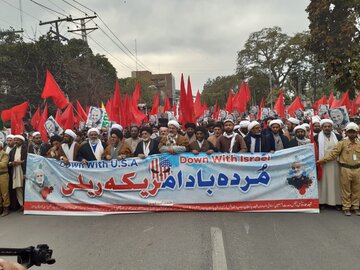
{"points": [[284, 181]]}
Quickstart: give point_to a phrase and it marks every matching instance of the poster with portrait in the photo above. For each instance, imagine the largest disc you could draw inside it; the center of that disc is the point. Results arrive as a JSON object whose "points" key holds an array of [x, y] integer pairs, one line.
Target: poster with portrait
{"points": [[2, 136], [299, 114], [254, 110], [95, 118], [323, 110], [308, 113], [339, 116], [52, 127], [222, 115], [265, 112]]}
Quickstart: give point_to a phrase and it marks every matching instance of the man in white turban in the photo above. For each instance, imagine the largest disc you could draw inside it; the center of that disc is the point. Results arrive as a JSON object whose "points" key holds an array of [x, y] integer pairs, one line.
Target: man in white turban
{"points": [[300, 139], [93, 149], [173, 143], [69, 148], [329, 184]]}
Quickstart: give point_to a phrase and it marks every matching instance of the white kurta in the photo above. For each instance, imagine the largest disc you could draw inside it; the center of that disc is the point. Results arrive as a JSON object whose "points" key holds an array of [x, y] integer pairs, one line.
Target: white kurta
{"points": [[329, 185]]}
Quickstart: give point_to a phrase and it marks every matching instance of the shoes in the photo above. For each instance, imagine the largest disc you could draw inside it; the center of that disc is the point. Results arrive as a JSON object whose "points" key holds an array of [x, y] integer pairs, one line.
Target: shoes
{"points": [[1, 210], [347, 213], [357, 212], [21, 209], [338, 207], [5, 212]]}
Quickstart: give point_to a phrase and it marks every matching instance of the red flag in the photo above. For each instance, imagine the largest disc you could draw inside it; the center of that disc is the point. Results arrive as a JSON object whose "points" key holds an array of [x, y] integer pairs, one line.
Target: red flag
{"points": [[345, 100], [358, 100], [216, 110], [58, 118], [17, 124], [247, 93], [109, 109], [331, 99], [262, 104], [80, 111], [36, 118], [295, 105], [41, 128], [321, 101], [198, 108], [167, 105], [190, 103], [175, 109], [52, 89], [182, 100], [127, 118], [353, 110], [20, 110], [155, 106], [116, 103], [229, 103], [240, 99], [136, 94], [279, 106], [68, 117], [205, 106]]}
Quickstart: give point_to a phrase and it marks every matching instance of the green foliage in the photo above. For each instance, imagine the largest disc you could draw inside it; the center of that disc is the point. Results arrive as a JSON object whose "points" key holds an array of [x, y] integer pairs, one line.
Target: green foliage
{"points": [[335, 39]]}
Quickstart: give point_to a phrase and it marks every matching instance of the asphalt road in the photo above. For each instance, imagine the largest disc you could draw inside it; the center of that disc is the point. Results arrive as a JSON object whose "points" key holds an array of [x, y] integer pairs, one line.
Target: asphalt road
{"points": [[191, 240]]}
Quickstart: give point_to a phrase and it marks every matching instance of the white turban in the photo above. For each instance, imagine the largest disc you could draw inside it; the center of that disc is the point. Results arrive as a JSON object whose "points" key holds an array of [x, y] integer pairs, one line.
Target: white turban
{"points": [[315, 119], [236, 127], [244, 124], [324, 121], [70, 133], [306, 125], [36, 133], [300, 127], [229, 120], [253, 124], [10, 136], [294, 121], [19, 137], [174, 123], [352, 126], [276, 121], [93, 130], [116, 126]]}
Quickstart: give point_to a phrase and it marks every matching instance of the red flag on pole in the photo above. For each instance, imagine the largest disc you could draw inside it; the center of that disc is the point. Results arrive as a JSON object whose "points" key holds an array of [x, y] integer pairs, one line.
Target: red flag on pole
{"points": [[41, 128], [262, 104], [20, 110], [182, 100], [58, 118], [155, 106], [331, 99], [216, 111], [52, 89], [198, 108], [279, 106], [321, 101], [36, 118], [80, 111], [167, 105], [295, 105], [189, 103], [229, 103], [68, 117], [240, 99]]}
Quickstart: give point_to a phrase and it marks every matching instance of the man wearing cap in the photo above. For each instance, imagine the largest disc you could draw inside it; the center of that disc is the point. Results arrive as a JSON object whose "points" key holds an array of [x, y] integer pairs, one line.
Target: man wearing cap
{"points": [[200, 144], [291, 123], [316, 125], [69, 148], [244, 128], [276, 139], [329, 184], [348, 152], [4, 182], [255, 140], [118, 147], [173, 143], [190, 132], [218, 130], [230, 141], [9, 143], [134, 138], [93, 149], [300, 139], [17, 164], [147, 146], [38, 147]]}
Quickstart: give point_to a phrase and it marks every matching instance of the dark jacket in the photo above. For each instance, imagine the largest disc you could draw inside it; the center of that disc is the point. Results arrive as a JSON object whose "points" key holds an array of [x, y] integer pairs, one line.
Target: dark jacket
{"points": [[153, 148], [271, 141], [85, 152], [264, 143]]}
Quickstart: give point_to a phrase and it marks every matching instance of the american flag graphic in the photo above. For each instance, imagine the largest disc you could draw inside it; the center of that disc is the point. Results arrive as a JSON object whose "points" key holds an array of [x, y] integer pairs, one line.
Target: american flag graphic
{"points": [[160, 168]]}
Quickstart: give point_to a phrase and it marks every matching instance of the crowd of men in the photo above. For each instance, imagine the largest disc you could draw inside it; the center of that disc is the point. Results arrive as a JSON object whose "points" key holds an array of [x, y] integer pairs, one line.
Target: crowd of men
{"points": [[339, 151]]}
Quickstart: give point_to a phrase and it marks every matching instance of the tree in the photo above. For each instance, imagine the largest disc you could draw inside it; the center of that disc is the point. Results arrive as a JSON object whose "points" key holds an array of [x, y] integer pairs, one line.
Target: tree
{"points": [[335, 39]]}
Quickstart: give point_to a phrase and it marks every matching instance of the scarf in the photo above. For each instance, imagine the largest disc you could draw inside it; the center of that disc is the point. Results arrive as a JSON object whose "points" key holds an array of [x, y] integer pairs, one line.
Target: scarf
{"points": [[69, 151], [233, 137], [200, 143], [255, 145], [321, 140], [146, 148], [99, 149], [18, 174], [302, 141]]}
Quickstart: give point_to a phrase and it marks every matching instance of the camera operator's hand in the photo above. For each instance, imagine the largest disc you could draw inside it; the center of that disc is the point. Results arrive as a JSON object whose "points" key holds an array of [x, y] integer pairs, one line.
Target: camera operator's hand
{"points": [[6, 265]]}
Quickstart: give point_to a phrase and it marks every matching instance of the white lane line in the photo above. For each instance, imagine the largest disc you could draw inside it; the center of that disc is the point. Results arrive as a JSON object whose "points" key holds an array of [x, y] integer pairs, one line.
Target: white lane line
{"points": [[148, 229], [218, 250]]}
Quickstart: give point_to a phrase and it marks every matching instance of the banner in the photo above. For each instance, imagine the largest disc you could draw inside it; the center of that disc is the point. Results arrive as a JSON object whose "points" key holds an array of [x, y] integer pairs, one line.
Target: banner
{"points": [[283, 181]]}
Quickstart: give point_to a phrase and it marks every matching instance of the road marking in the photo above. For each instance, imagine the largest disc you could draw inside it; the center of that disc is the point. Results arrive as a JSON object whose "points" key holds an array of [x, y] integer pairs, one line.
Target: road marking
{"points": [[148, 229], [247, 228], [218, 250]]}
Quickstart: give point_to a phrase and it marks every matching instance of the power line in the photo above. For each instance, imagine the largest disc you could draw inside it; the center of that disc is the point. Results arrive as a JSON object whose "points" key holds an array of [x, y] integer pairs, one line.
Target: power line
{"points": [[97, 43], [21, 10], [45, 7], [57, 6], [74, 6], [131, 56]]}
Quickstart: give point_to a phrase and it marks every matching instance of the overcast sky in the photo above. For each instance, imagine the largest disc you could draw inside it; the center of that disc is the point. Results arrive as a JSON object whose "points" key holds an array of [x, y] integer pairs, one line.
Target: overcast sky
{"points": [[199, 38]]}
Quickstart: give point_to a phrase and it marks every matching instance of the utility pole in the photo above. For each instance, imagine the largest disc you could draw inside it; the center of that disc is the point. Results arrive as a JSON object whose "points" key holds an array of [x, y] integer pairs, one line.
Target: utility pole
{"points": [[83, 29], [57, 22]]}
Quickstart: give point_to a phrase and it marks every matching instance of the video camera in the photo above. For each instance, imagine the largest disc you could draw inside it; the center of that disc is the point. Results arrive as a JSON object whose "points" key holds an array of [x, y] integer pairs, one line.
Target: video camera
{"points": [[41, 254]]}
